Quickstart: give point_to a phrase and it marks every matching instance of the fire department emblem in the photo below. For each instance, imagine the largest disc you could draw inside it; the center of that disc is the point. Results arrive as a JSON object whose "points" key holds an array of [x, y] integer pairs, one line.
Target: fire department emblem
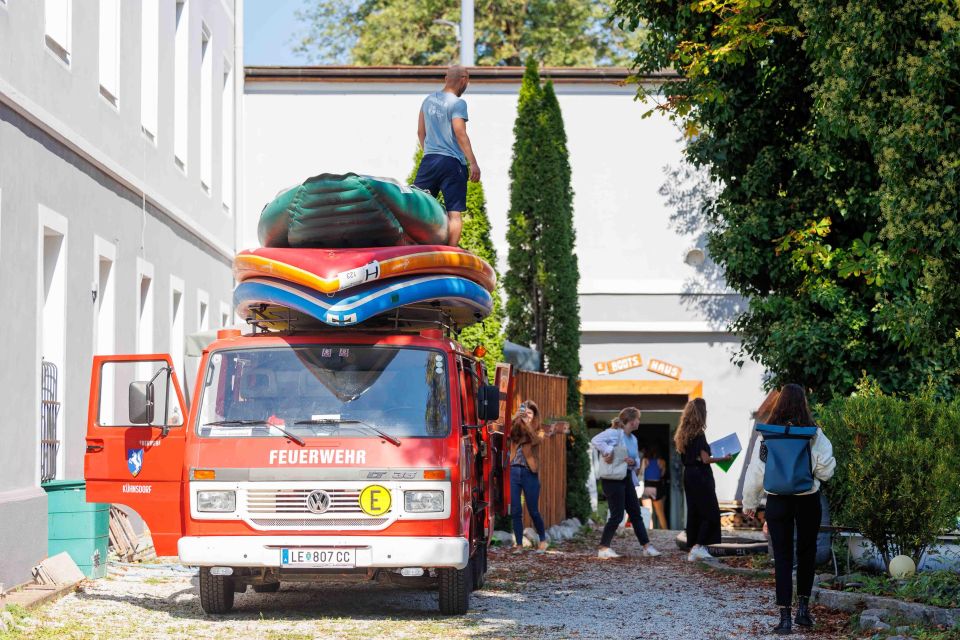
{"points": [[134, 461], [318, 501]]}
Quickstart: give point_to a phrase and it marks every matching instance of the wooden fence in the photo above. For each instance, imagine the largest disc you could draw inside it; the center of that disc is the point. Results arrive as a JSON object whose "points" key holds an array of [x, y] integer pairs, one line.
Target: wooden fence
{"points": [[549, 392]]}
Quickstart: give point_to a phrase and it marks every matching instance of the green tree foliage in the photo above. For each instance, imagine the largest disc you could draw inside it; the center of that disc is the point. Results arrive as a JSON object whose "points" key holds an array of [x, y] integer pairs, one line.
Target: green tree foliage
{"points": [[476, 239], [578, 470], [543, 276], [524, 322], [833, 133], [405, 32], [900, 508], [558, 271]]}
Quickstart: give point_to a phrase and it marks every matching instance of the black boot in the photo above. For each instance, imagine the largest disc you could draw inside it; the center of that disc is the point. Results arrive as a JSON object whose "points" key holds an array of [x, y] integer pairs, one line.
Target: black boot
{"points": [[784, 627], [803, 612]]}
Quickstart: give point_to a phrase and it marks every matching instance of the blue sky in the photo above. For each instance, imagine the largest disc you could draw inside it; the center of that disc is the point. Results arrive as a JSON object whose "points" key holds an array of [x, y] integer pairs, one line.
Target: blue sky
{"points": [[267, 29]]}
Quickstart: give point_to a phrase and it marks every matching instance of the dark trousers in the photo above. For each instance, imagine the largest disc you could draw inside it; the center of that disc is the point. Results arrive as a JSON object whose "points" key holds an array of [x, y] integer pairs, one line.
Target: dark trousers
{"points": [[783, 513], [703, 511], [622, 495], [522, 479]]}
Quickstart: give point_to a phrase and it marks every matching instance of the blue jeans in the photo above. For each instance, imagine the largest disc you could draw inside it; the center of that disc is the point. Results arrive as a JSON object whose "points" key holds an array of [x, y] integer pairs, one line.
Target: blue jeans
{"points": [[522, 479]]}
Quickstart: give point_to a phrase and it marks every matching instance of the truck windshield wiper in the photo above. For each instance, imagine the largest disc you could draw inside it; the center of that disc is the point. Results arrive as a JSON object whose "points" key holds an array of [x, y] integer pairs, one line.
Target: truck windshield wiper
{"points": [[383, 434], [243, 423]]}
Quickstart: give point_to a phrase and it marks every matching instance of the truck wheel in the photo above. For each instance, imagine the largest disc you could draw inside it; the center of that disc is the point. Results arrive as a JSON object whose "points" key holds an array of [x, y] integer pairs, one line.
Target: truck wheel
{"points": [[479, 568], [216, 592], [455, 587], [270, 587]]}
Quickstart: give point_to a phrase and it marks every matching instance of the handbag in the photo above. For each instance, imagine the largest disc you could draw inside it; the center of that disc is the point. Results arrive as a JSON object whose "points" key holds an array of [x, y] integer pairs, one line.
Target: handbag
{"points": [[617, 468]]}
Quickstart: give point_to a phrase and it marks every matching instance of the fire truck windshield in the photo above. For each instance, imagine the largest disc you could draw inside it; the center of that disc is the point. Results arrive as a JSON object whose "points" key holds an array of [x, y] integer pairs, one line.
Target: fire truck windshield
{"points": [[322, 390]]}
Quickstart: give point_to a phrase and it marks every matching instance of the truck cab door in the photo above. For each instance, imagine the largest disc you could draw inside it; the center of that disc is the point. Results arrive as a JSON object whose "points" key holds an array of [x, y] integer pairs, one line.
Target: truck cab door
{"points": [[135, 441]]}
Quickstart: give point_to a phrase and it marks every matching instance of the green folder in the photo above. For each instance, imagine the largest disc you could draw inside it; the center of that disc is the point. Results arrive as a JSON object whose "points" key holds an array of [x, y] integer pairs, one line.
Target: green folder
{"points": [[726, 445]]}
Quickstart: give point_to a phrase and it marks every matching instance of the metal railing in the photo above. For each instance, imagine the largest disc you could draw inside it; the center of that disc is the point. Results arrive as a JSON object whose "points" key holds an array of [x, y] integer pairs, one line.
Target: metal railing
{"points": [[49, 412]]}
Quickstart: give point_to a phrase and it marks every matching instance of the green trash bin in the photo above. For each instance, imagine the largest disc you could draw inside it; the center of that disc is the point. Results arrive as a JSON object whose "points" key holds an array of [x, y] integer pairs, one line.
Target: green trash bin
{"points": [[76, 526]]}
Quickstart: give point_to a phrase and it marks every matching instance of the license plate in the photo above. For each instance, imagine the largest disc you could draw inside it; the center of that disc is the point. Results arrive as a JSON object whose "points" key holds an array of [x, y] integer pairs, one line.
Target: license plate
{"points": [[318, 557]]}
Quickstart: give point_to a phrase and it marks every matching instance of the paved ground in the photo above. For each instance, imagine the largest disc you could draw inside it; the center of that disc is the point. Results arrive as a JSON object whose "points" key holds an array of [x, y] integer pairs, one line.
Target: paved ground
{"points": [[565, 593]]}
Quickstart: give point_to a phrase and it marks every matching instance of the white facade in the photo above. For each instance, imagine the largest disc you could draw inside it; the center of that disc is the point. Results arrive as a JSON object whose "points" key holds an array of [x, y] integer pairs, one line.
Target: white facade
{"points": [[98, 221], [638, 295]]}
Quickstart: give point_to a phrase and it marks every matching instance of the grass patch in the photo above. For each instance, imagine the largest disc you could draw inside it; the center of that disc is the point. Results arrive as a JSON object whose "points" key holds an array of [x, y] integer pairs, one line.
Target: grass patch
{"points": [[155, 580]]}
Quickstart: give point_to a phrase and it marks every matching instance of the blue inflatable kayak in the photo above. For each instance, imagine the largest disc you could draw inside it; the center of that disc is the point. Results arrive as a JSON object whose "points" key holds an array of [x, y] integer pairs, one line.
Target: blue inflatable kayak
{"points": [[466, 301]]}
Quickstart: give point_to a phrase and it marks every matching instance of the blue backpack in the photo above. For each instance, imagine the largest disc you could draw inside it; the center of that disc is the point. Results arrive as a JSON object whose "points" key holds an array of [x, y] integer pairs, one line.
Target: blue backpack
{"points": [[788, 457]]}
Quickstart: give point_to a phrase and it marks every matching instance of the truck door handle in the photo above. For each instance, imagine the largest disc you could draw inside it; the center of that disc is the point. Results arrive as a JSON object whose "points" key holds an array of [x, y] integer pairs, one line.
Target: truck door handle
{"points": [[94, 446]]}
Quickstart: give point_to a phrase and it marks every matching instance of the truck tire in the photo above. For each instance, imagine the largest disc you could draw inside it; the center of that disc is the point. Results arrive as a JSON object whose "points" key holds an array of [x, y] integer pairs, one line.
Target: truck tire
{"points": [[455, 586], [216, 592], [270, 587]]}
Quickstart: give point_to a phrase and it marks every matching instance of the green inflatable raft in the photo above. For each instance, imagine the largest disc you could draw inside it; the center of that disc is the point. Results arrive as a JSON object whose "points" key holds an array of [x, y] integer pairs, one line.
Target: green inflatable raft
{"points": [[350, 210]]}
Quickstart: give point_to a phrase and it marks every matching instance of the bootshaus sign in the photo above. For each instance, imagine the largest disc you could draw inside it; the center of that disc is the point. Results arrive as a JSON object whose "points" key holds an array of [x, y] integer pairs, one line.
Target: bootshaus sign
{"points": [[618, 365]]}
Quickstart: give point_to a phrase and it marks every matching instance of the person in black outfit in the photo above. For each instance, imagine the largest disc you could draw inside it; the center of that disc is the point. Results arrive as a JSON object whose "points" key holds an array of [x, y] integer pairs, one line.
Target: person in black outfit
{"points": [[788, 512], [703, 511]]}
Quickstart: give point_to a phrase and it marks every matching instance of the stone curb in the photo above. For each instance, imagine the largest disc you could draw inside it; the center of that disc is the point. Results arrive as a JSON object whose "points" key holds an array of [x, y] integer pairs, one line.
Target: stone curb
{"points": [[35, 596], [719, 567], [912, 611]]}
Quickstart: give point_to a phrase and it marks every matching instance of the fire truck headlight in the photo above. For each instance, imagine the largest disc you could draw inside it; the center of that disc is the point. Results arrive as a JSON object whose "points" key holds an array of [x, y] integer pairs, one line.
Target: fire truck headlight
{"points": [[217, 501], [423, 501]]}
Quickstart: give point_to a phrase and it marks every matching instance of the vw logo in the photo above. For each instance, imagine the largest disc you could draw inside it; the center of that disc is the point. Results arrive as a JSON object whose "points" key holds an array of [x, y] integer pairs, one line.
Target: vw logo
{"points": [[318, 501]]}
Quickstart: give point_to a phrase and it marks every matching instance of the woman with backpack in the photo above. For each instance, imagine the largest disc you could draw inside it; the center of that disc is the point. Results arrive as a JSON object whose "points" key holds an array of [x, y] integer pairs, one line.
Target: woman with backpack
{"points": [[616, 474], [699, 488], [792, 460]]}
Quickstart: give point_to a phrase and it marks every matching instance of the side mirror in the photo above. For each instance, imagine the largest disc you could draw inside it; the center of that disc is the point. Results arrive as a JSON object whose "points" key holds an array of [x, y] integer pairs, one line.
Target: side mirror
{"points": [[140, 401], [488, 403]]}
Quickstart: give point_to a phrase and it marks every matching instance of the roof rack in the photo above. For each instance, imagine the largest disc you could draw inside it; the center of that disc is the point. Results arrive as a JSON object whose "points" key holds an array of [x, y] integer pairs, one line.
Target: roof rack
{"points": [[282, 320]]}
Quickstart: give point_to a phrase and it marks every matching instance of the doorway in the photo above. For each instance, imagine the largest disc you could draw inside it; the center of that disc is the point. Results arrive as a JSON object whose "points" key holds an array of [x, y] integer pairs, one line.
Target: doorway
{"points": [[660, 402]]}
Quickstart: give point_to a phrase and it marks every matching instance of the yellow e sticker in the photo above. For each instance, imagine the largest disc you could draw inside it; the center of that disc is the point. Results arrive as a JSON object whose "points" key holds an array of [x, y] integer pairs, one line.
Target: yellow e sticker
{"points": [[375, 500]]}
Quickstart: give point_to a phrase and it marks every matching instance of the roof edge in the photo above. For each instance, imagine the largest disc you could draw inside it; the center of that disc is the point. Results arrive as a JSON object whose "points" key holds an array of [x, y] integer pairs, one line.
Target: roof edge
{"points": [[582, 75]]}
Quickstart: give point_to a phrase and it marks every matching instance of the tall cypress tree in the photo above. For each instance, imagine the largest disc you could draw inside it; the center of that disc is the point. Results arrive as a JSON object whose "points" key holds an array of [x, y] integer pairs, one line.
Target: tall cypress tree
{"points": [[560, 274], [476, 239], [524, 300]]}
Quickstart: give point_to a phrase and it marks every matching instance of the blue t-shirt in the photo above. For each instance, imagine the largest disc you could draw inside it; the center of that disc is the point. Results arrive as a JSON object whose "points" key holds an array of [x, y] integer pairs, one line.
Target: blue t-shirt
{"points": [[439, 109]]}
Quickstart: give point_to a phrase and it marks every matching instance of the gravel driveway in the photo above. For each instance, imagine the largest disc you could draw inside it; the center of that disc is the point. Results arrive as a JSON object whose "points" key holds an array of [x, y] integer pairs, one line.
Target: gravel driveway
{"points": [[564, 593]]}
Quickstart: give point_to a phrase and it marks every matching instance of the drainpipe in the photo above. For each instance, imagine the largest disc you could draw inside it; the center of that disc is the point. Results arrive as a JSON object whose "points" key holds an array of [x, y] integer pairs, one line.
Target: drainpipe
{"points": [[466, 33]]}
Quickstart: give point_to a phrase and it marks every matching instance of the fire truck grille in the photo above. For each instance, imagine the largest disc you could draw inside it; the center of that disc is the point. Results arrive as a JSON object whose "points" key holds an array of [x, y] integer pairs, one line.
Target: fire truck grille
{"points": [[266, 502], [318, 523]]}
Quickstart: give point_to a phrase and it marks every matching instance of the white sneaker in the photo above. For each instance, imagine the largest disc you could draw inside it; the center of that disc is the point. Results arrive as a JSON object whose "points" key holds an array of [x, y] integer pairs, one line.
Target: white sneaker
{"points": [[701, 553], [605, 554], [691, 557], [649, 551]]}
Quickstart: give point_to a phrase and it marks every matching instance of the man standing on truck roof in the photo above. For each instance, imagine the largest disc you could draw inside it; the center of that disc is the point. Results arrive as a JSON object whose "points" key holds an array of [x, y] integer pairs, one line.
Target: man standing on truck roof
{"points": [[442, 130]]}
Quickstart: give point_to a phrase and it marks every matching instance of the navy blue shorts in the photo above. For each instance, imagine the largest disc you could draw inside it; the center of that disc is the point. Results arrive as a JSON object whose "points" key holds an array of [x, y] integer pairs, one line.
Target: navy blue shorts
{"points": [[444, 174]]}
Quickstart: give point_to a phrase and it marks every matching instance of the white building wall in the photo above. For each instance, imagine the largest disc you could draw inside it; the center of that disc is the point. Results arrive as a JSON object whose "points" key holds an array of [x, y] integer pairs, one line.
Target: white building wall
{"points": [[75, 162]]}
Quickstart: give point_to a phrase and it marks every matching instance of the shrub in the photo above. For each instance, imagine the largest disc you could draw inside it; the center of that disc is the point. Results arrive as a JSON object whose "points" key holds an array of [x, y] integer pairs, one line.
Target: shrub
{"points": [[578, 470], [897, 479]]}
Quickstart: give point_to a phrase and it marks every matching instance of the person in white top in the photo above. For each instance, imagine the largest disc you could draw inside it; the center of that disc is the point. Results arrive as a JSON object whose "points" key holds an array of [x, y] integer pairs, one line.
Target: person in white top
{"points": [[784, 512], [619, 491]]}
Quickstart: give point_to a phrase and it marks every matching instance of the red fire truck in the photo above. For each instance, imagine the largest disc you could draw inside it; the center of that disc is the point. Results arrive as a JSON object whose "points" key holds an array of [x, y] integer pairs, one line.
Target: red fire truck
{"points": [[306, 456]]}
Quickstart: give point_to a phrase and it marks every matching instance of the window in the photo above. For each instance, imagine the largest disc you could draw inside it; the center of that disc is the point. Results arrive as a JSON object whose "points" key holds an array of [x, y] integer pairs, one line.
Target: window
{"points": [[224, 315], [144, 312], [203, 311], [149, 66], [226, 138], [326, 390], [104, 304], [181, 85], [110, 50], [206, 108], [51, 367], [177, 344], [57, 25]]}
